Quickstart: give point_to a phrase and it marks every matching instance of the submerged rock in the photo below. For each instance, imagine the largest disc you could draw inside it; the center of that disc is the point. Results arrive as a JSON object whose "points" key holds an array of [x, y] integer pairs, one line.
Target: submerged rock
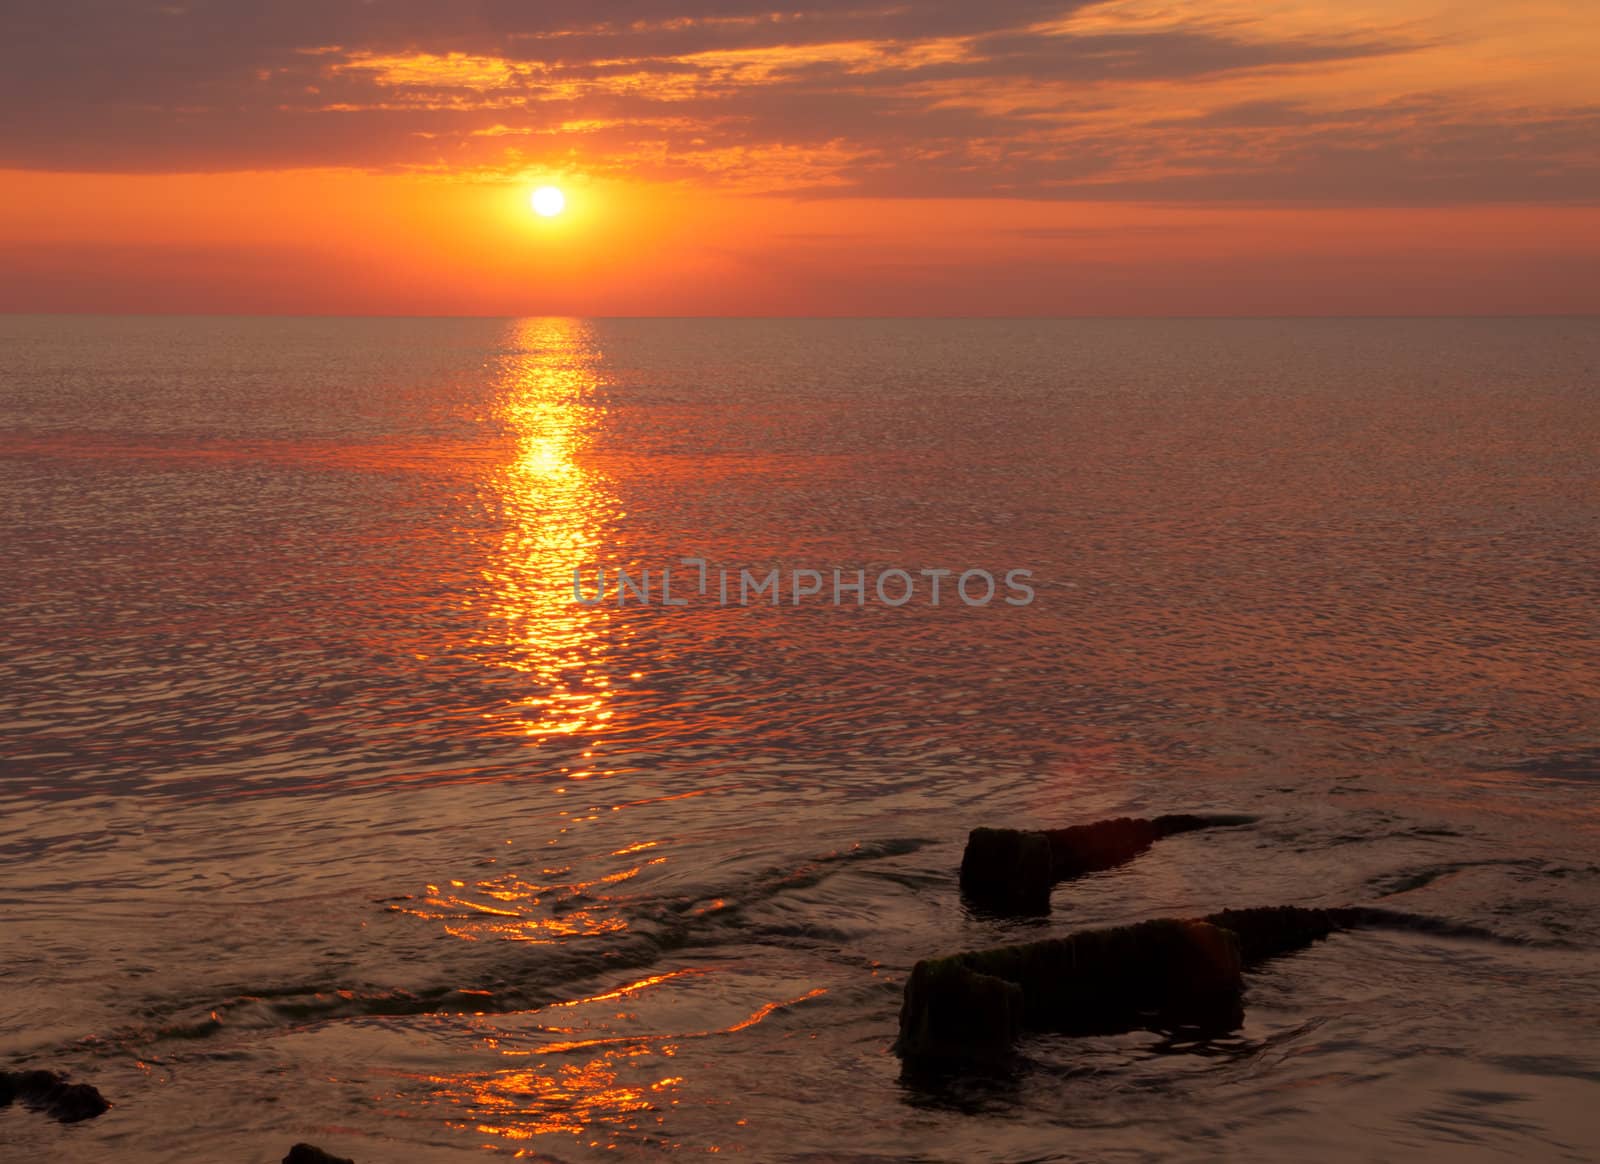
{"points": [[1013, 870], [47, 1092], [1269, 931], [311, 1154], [969, 1008]]}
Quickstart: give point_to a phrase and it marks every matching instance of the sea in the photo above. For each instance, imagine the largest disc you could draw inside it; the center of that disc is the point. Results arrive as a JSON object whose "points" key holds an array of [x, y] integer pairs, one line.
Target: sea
{"points": [[339, 804]]}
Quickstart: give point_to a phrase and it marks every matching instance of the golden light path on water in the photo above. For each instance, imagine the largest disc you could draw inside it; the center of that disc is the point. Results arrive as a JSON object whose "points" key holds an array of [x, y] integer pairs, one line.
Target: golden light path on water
{"points": [[556, 510], [595, 1089]]}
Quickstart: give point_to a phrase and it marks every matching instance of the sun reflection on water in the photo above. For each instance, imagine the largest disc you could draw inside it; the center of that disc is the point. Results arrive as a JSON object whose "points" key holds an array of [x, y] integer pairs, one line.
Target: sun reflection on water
{"points": [[511, 908], [590, 1068], [607, 1095], [557, 510], [606, 1091]]}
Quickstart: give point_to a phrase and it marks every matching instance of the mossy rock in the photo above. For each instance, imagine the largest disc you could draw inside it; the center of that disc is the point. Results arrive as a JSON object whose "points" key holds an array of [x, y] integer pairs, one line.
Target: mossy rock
{"points": [[1012, 871], [1162, 974], [47, 1092], [311, 1154], [951, 1010]]}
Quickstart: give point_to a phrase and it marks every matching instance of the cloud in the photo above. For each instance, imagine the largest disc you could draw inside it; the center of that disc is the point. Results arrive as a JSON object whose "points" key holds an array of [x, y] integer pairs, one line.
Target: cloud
{"points": [[1011, 98]]}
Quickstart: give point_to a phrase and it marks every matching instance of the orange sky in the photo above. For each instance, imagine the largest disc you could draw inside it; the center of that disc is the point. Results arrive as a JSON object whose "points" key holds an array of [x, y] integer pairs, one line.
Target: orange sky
{"points": [[845, 157]]}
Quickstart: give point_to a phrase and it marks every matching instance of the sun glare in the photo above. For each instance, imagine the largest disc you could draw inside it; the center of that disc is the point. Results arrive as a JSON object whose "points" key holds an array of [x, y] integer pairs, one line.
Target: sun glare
{"points": [[549, 201]]}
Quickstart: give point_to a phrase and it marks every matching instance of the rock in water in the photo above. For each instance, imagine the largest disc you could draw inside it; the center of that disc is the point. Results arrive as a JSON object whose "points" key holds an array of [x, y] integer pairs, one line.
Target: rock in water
{"points": [[968, 1008], [1013, 870], [311, 1154], [1104, 844], [1279, 929], [47, 1092], [954, 1011], [1008, 870], [965, 1010]]}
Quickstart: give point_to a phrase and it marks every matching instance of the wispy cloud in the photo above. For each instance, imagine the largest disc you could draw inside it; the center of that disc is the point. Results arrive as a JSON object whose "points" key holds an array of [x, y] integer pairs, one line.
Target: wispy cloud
{"points": [[1061, 100]]}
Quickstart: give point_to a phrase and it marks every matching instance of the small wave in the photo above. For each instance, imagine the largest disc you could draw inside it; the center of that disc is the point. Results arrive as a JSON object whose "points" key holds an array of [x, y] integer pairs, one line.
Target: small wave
{"points": [[1407, 881], [520, 980], [1579, 766], [1378, 918]]}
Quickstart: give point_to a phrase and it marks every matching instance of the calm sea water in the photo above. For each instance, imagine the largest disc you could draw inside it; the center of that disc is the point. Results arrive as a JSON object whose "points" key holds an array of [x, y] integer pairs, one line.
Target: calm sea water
{"points": [[327, 814]]}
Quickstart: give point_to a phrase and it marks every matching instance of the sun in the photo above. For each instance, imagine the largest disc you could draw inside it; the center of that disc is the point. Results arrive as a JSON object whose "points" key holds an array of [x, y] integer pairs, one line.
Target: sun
{"points": [[548, 201]]}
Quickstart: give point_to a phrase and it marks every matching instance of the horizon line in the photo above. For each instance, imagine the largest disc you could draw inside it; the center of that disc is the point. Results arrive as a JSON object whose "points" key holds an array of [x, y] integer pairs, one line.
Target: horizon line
{"points": [[799, 317]]}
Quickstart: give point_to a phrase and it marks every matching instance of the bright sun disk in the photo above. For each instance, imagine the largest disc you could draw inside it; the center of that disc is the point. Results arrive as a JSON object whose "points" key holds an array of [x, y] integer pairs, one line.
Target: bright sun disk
{"points": [[549, 201]]}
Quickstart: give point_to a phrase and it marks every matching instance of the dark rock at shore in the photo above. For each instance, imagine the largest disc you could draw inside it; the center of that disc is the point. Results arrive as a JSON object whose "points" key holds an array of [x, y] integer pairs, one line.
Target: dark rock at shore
{"points": [[952, 1010], [47, 1092], [1269, 931], [1013, 870], [967, 1009], [1008, 870], [1280, 929], [311, 1154]]}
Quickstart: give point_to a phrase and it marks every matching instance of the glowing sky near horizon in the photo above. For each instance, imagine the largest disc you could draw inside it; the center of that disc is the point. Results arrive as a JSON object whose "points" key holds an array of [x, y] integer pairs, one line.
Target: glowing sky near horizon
{"points": [[844, 157]]}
